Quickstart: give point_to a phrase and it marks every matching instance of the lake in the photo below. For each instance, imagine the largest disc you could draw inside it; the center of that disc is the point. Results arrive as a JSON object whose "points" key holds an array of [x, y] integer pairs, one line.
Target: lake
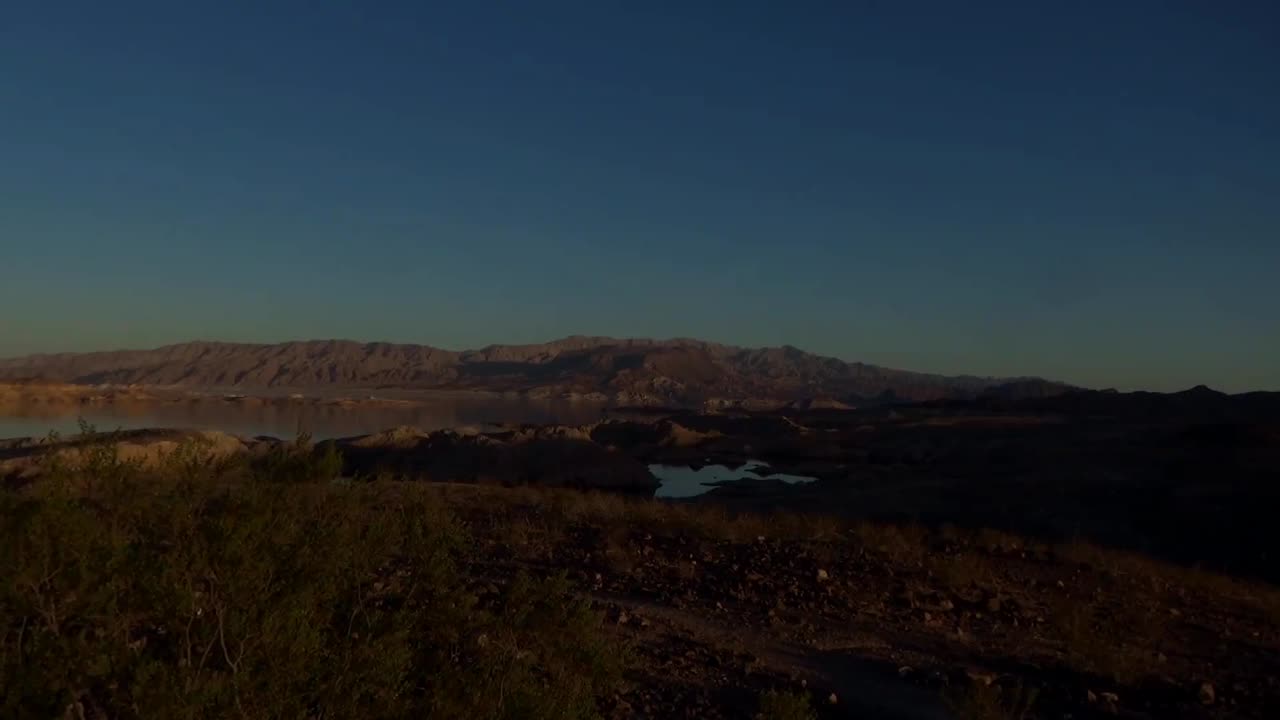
{"points": [[286, 419], [681, 481]]}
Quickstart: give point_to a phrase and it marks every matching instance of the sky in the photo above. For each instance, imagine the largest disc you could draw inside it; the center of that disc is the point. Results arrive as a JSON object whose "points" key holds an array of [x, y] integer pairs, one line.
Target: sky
{"points": [[1083, 191]]}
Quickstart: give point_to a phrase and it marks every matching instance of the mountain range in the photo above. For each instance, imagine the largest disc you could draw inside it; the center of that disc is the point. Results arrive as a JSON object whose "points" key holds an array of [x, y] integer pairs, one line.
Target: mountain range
{"points": [[626, 371]]}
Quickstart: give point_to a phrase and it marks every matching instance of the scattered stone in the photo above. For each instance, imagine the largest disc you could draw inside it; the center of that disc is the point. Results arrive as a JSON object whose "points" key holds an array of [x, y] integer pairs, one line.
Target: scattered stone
{"points": [[1207, 695], [823, 576]]}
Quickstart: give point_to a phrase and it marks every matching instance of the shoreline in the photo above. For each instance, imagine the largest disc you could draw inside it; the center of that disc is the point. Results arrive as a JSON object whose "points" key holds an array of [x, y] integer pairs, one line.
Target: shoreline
{"points": [[64, 394]]}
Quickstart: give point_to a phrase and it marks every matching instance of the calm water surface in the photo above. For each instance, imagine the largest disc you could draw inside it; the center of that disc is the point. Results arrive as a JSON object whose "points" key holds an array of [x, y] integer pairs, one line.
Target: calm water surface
{"points": [[679, 481], [285, 420]]}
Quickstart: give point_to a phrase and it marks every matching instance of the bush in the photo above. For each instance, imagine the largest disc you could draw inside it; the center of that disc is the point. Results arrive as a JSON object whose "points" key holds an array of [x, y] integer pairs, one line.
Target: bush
{"points": [[209, 600]]}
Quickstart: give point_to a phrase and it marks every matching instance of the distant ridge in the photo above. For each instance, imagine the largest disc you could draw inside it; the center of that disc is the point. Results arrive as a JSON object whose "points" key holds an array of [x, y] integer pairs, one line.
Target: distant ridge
{"points": [[630, 371]]}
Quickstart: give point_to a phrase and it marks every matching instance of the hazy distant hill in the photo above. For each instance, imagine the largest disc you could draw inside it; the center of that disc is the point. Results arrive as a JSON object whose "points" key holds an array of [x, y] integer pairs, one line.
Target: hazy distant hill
{"points": [[631, 371]]}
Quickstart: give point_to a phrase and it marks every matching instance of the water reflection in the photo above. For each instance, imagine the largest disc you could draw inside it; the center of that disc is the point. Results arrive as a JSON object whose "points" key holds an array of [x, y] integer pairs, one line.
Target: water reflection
{"points": [[285, 419]]}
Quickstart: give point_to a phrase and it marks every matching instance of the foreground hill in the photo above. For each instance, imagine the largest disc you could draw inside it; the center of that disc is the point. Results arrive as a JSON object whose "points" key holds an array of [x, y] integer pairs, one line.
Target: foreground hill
{"points": [[631, 371], [206, 587]]}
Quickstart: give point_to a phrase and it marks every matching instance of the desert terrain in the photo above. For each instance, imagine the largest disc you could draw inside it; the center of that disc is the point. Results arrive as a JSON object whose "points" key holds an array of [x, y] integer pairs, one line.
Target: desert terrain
{"points": [[991, 549], [1086, 554]]}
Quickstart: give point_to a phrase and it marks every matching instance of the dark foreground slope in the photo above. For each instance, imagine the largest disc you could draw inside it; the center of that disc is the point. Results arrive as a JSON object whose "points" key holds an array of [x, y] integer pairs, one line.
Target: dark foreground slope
{"points": [[640, 372], [257, 588], [1191, 478]]}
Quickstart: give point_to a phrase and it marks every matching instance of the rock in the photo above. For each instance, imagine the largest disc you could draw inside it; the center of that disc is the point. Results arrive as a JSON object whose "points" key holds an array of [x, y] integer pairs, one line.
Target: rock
{"points": [[553, 456], [823, 576], [25, 458], [832, 699], [401, 437], [1207, 695], [679, 436]]}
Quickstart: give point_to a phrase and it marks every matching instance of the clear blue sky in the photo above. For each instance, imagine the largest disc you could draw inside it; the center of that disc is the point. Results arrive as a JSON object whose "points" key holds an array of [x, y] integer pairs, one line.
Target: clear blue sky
{"points": [[1085, 191]]}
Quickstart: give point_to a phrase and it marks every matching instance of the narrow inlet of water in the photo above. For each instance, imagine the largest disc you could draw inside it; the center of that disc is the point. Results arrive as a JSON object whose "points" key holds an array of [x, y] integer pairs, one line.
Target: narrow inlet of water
{"points": [[681, 481]]}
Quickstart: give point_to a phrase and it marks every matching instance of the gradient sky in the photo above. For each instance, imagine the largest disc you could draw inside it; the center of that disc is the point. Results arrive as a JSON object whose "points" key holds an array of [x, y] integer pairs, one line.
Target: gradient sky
{"points": [[1084, 191]]}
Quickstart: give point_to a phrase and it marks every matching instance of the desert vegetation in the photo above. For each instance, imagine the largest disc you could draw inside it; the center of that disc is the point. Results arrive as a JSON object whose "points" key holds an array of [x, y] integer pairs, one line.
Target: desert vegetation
{"points": [[270, 586], [198, 589]]}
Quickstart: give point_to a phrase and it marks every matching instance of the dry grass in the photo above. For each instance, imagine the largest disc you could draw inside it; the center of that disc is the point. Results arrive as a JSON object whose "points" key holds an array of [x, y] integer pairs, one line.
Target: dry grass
{"points": [[659, 517], [618, 550], [998, 541], [775, 705], [906, 545], [530, 538], [1096, 641], [129, 595], [989, 701], [964, 570]]}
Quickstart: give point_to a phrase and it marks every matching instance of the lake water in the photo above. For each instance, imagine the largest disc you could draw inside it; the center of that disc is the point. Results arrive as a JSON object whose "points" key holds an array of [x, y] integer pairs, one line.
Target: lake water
{"points": [[285, 419], [679, 481]]}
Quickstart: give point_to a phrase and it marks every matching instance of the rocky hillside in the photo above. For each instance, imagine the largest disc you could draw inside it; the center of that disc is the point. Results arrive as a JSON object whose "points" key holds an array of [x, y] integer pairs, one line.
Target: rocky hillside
{"points": [[644, 372]]}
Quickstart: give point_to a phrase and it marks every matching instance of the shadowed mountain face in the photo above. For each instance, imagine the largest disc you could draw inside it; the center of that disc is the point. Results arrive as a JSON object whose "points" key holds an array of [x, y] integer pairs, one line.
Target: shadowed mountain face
{"points": [[629, 371]]}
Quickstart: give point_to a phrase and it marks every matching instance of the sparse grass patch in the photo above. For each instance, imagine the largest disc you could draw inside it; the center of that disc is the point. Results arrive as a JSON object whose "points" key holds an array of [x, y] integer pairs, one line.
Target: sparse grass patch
{"points": [[777, 705], [904, 545], [964, 569], [532, 537], [1096, 644]]}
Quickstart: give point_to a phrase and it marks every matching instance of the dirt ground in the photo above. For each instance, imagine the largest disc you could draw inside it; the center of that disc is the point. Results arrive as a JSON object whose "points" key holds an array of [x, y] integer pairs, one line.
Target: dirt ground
{"points": [[875, 621]]}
